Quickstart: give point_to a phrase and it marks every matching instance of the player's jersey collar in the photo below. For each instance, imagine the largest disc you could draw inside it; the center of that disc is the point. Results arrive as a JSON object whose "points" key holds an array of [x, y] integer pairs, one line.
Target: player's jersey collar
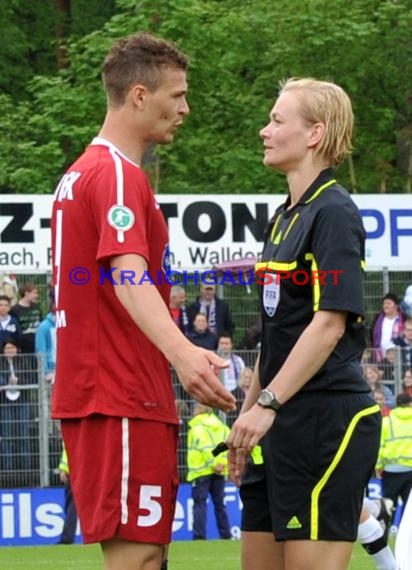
{"points": [[100, 141]]}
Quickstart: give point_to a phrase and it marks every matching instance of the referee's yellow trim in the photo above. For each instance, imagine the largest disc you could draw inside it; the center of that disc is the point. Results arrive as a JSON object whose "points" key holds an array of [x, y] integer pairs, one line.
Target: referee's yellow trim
{"points": [[290, 226], [321, 189], [314, 510], [275, 225], [276, 265], [363, 264], [316, 282]]}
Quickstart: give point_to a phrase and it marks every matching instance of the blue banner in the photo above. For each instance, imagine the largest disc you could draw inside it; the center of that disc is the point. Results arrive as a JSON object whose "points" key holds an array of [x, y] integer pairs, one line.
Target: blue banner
{"points": [[35, 516]]}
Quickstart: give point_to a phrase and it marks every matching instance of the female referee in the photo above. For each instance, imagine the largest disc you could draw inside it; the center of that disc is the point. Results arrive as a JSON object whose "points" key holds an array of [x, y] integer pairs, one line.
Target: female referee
{"points": [[309, 401]]}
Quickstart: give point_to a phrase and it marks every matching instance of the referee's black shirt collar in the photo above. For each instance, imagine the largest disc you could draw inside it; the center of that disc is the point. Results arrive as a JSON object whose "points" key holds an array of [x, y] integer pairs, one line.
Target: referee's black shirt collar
{"points": [[324, 176]]}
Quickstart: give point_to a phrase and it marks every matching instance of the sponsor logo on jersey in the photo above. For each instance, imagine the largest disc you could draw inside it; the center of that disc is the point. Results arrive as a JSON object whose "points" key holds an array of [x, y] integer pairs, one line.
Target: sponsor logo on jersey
{"points": [[121, 218]]}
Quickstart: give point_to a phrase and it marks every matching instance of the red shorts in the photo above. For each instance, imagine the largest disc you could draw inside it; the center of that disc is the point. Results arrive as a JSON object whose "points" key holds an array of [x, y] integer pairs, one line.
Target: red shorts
{"points": [[124, 477]]}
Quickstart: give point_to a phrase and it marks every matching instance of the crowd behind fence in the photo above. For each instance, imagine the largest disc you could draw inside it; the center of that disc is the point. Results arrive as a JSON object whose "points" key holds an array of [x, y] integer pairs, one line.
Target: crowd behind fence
{"points": [[243, 301], [30, 442]]}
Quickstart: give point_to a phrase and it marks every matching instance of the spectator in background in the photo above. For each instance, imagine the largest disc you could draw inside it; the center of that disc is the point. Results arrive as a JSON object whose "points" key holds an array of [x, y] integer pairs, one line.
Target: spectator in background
{"points": [[387, 368], [205, 472], [380, 399], [243, 384], [70, 513], [9, 326], [178, 308], [216, 310], [374, 378], [405, 342], [406, 303], [252, 336], [407, 381], [201, 335], [45, 342], [27, 311], [229, 375], [394, 465], [182, 409], [368, 356], [16, 408], [387, 325], [8, 286]]}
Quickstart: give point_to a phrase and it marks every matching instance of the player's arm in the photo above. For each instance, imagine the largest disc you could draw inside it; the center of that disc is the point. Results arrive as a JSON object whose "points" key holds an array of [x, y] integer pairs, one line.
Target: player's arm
{"points": [[193, 365], [310, 352]]}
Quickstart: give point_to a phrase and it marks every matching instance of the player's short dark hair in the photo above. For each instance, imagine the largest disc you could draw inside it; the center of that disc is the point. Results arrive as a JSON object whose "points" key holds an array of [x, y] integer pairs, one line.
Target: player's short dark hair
{"points": [[138, 59], [5, 298]]}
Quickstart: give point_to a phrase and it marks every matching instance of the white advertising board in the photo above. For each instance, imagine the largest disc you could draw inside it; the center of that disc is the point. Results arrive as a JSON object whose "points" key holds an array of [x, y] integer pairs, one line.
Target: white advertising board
{"points": [[206, 230]]}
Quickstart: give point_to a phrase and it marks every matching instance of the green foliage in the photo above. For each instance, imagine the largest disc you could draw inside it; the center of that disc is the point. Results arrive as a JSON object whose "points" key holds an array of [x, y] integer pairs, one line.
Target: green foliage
{"points": [[239, 52]]}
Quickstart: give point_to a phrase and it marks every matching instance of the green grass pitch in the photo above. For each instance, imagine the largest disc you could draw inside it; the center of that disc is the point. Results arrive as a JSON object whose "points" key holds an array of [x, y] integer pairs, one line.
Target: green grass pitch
{"points": [[219, 555]]}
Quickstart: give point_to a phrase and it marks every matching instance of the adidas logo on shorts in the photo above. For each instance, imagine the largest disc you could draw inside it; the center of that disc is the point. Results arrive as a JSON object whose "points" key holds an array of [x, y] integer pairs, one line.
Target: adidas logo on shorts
{"points": [[294, 523]]}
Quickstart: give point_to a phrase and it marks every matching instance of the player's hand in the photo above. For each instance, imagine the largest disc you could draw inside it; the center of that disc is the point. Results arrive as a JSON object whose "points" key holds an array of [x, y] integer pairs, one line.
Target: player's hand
{"points": [[246, 432], [197, 371]]}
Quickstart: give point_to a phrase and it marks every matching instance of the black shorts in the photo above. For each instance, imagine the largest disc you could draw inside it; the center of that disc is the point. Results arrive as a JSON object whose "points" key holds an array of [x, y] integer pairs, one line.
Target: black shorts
{"points": [[319, 456], [253, 493]]}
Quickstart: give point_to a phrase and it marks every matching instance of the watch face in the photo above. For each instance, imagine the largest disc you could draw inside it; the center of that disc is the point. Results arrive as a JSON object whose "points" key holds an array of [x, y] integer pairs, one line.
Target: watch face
{"points": [[265, 398]]}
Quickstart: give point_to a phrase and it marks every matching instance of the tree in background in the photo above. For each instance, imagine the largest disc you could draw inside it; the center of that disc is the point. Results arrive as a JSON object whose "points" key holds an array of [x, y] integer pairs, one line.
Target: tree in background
{"points": [[239, 52]]}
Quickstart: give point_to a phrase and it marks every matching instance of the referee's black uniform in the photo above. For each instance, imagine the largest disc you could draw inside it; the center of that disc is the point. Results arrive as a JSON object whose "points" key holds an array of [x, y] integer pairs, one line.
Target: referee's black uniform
{"points": [[322, 447]]}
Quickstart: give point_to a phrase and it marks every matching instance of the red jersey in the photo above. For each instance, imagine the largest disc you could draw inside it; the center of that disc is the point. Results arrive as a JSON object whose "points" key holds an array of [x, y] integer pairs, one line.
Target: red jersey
{"points": [[104, 207]]}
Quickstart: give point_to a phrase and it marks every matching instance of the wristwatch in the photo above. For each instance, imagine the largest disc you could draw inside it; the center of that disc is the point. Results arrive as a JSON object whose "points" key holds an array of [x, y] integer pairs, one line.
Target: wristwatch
{"points": [[267, 399]]}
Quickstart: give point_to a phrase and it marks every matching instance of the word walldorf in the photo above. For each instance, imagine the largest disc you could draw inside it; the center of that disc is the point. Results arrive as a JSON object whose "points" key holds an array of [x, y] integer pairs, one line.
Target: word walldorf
{"points": [[81, 276]]}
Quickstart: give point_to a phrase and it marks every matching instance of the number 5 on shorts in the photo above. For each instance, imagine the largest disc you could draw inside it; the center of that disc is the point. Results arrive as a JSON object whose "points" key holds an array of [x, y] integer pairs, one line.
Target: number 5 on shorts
{"points": [[148, 503]]}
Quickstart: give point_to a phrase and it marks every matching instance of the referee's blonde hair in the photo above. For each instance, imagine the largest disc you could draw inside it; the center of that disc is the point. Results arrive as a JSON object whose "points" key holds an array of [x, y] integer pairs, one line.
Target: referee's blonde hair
{"points": [[327, 103]]}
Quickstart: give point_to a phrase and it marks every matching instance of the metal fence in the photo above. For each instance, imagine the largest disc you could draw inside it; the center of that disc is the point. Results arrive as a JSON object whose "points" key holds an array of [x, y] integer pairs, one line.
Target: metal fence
{"points": [[243, 301], [30, 442]]}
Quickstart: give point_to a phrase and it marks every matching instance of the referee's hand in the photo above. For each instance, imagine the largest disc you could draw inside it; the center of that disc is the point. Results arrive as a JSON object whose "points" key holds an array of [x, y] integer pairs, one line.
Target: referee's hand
{"points": [[198, 370], [245, 434]]}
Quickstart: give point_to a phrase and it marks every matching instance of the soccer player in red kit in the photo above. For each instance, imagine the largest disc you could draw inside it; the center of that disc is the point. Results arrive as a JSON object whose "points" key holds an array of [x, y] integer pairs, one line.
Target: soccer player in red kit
{"points": [[115, 337]]}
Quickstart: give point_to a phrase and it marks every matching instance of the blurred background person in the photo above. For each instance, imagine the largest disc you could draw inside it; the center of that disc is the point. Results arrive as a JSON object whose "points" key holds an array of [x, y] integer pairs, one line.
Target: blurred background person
{"points": [[387, 325], [394, 465], [9, 325], [70, 513], [374, 378], [200, 335], [45, 342], [243, 384], [9, 287], [207, 473], [27, 311], [16, 412], [407, 382], [178, 308], [217, 311], [229, 375], [405, 342]]}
